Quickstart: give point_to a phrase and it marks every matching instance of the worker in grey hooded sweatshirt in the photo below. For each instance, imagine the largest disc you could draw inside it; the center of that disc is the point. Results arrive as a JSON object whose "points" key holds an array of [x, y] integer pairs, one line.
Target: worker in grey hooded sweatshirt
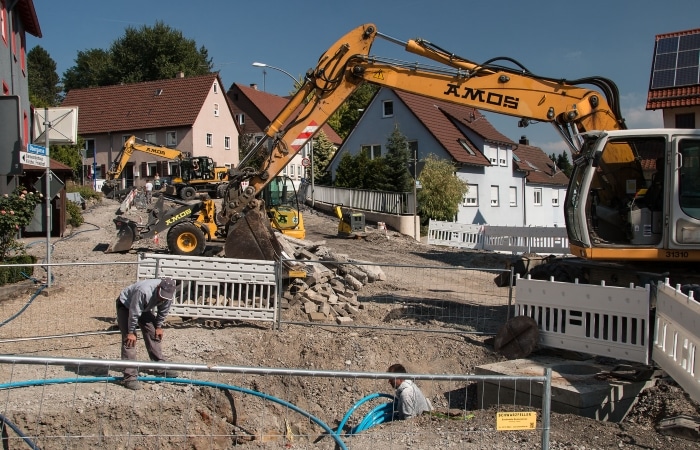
{"points": [[409, 399], [144, 304]]}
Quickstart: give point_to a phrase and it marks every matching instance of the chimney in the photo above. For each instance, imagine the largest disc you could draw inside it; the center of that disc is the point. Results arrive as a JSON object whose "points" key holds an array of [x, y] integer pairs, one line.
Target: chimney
{"points": [[524, 140], [254, 86], [181, 74]]}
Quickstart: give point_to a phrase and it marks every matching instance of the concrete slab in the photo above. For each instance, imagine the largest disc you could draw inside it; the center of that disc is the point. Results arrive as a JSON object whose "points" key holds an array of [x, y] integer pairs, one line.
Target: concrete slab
{"points": [[578, 387]]}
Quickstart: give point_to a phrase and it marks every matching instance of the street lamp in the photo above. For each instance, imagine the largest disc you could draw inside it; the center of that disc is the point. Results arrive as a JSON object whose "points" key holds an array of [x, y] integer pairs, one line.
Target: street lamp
{"points": [[259, 64]]}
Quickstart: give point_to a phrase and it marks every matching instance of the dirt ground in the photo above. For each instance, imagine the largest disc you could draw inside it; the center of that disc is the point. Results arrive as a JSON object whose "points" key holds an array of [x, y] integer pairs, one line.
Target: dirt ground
{"points": [[191, 416]]}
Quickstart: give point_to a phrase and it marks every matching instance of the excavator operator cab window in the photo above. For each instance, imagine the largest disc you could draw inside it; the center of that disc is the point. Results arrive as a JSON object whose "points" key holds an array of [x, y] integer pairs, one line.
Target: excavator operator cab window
{"points": [[689, 177]]}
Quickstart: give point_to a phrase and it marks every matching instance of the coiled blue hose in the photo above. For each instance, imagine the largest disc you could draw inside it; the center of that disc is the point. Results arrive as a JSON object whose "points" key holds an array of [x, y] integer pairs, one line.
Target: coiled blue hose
{"points": [[380, 414]]}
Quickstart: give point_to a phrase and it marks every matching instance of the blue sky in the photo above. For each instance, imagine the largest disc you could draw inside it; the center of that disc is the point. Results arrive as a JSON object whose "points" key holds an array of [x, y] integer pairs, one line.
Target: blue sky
{"points": [[613, 38]]}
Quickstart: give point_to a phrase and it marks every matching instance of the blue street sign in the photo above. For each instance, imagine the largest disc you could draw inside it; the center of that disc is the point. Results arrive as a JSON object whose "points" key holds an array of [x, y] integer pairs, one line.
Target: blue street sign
{"points": [[37, 150]]}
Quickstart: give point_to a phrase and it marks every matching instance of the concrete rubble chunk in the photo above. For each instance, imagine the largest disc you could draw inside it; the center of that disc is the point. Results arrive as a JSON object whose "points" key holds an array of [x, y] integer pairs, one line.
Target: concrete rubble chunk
{"points": [[343, 320], [317, 317], [353, 282]]}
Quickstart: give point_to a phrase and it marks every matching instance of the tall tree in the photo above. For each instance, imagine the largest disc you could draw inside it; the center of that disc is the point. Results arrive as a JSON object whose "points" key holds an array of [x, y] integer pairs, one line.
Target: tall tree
{"points": [[44, 90], [143, 54], [346, 117], [323, 153], [92, 68], [441, 190], [397, 178]]}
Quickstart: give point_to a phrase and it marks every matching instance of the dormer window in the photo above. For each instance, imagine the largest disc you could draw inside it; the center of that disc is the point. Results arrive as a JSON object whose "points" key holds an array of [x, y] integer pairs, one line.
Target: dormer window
{"points": [[158, 92], [465, 146]]}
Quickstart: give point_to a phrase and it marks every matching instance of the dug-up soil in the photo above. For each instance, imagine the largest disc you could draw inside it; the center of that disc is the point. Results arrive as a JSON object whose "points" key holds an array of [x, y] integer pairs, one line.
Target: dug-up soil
{"points": [[181, 415]]}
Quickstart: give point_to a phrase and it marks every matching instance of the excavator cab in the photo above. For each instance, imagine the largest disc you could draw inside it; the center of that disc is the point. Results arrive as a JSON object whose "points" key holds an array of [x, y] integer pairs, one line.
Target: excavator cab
{"points": [[280, 197]]}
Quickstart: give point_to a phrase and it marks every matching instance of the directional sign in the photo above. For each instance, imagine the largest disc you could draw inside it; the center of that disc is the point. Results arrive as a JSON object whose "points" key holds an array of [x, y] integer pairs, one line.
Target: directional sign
{"points": [[37, 150], [33, 160]]}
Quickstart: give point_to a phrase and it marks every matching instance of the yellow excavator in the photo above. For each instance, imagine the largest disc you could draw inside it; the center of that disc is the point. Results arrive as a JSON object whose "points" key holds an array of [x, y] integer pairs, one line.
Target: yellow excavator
{"points": [[189, 226], [607, 215], [198, 174]]}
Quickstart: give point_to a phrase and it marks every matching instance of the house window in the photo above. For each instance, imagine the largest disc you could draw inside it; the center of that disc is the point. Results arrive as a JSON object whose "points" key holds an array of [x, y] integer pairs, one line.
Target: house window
{"points": [[412, 148], [125, 137], [89, 148], [299, 170], [494, 195], [210, 139], [3, 21], [216, 88], [502, 157], [373, 151], [291, 170], [240, 118], [171, 138], [471, 198], [685, 120], [23, 52], [537, 199], [151, 137], [227, 142], [151, 169], [465, 146], [513, 195], [216, 110], [284, 171], [387, 108], [555, 197]]}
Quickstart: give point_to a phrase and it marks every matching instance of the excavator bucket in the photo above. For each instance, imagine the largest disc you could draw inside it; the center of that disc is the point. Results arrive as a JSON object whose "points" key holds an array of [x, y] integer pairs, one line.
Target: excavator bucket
{"points": [[252, 237], [124, 240]]}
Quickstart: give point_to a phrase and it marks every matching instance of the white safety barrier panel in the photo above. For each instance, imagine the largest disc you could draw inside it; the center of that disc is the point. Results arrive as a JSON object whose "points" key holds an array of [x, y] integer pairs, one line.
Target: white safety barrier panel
{"points": [[451, 234], [600, 320], [543, 240], [677, 338], [216, 288]]}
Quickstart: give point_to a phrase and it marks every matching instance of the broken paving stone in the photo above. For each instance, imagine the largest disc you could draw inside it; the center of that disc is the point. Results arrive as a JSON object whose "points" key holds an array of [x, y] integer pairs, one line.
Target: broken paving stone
{"points": [[343, 320], [317, 317]]}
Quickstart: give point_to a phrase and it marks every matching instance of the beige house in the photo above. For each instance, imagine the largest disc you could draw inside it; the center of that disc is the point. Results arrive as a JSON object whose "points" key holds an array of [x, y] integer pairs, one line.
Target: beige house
{"points": [[192, 114]]}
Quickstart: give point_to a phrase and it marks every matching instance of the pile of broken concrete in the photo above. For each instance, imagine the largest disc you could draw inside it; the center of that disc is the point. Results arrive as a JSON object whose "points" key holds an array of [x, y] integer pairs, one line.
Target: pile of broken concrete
{"points": [[329, 290]]}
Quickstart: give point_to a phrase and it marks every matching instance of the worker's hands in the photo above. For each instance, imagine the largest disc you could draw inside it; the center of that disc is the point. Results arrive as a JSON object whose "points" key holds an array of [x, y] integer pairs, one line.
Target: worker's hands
{"points": [[159, 334], [130, 340]]}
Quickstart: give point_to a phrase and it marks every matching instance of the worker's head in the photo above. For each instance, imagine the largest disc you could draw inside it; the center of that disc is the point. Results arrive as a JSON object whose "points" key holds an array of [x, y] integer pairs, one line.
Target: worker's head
{"points": [[166, 289], [398, 369]]}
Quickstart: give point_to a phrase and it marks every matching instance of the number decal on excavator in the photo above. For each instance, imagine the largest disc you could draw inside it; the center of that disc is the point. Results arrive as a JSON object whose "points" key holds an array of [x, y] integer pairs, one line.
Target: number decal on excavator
{"points": [[177, 217], [677, 254]]}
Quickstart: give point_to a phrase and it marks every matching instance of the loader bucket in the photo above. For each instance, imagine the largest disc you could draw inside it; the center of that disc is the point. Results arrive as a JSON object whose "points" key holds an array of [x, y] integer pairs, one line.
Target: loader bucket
{"points": [[124, 240], [252, 237]]}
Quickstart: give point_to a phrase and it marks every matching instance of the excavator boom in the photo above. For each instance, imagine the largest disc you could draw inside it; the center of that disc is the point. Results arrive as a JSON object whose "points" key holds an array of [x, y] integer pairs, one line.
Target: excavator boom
{"points": [[348, 63]]}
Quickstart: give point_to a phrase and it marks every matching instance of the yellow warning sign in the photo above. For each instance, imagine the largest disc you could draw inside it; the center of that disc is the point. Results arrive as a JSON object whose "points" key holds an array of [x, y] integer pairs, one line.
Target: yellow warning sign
{"points": [[526, 420]]}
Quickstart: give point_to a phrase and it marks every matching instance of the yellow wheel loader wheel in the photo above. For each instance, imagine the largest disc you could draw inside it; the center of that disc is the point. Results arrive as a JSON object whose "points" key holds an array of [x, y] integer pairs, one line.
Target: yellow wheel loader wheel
{"points": [[186, 239]]}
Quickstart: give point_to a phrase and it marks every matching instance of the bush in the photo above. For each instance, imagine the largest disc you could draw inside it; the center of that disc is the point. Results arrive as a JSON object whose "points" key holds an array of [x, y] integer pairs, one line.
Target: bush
{"points": [[75, 214], [9, 275], [16, 212]]}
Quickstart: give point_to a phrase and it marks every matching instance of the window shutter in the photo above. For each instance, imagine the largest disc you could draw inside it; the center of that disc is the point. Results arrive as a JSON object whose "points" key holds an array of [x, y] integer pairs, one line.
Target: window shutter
{"points": [[144, 170]]}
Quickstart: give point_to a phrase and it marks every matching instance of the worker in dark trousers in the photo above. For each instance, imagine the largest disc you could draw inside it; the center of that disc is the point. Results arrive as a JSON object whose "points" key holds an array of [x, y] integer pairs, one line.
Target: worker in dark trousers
{"points": [[144, 304]]}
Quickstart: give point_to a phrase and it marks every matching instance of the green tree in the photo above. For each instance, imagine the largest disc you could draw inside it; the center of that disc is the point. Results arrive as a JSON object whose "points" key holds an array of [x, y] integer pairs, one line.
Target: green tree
{"points": [[441, 192], [564, 164], [346, 117], [246, 142], [143, 54], [347, 174], [70, 156], [323, 153], [44, 90], [397, 178], [92, 68]]}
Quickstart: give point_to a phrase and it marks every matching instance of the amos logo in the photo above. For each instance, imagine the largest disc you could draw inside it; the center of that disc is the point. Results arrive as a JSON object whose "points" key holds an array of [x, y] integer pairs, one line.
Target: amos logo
{"points": [[481, 96], [179, 216]]}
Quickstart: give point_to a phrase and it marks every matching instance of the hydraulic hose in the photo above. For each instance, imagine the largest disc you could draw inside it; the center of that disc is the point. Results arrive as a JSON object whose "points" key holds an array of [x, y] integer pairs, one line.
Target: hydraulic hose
{"points": [[19, 432]]}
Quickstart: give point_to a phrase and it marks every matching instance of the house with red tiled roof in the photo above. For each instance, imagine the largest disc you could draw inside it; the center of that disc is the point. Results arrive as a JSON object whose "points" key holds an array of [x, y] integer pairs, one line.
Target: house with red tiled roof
{"points": [[674, 85], [191, 114], [17, 18], [502, 191], [255, 109]]}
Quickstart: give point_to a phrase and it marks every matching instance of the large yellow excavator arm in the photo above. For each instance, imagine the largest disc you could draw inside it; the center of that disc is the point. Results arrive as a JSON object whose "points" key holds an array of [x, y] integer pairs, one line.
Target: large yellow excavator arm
{"points": [[571, 108]]}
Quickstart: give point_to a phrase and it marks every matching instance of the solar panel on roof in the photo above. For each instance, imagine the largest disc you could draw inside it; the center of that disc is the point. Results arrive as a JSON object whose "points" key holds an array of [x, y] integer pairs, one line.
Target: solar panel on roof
{"points": [[676, 62]]}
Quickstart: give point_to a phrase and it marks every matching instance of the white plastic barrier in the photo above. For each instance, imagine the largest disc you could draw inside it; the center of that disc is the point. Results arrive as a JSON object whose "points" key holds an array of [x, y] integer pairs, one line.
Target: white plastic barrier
{"points": [[677, 338], [601, 320], [216, 288]]}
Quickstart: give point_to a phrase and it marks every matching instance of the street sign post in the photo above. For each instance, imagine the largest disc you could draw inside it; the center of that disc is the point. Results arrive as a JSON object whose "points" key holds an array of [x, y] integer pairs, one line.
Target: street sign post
{"points": [[37, 150], [33, 159]]}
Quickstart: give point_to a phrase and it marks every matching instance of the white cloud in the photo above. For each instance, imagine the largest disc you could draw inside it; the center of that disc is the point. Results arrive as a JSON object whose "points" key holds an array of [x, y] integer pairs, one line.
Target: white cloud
{"points": [[636, 115]]}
